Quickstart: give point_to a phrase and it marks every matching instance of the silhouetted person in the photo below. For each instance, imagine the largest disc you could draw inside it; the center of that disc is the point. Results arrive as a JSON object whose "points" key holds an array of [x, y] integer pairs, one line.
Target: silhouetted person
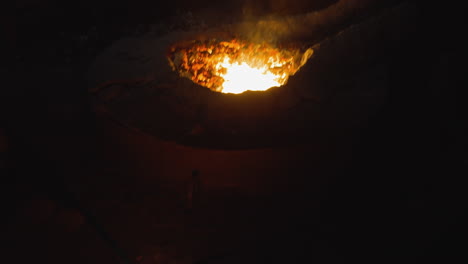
{"points": [[193, 190]]}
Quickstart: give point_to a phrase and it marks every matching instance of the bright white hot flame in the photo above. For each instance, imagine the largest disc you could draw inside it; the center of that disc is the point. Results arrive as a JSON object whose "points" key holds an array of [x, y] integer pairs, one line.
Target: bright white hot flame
{"points": [[241, 77]]}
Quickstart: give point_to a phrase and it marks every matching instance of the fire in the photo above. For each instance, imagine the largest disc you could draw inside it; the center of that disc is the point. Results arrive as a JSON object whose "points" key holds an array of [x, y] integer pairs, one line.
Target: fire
{"points": [[235, 66], [239, 77]]}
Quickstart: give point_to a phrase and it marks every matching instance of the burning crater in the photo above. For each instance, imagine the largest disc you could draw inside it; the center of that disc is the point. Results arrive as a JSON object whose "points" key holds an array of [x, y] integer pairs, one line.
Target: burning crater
{"points": [[235, 66], [201, 101]]}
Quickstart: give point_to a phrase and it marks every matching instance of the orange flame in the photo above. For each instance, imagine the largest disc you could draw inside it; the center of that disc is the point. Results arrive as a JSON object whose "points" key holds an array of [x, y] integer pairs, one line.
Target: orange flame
{"points": [[236, 67]]}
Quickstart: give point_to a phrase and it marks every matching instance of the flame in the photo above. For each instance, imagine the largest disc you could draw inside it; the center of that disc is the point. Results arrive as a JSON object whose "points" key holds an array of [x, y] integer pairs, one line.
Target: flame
{"points": [[240, 77], [236, 67]]}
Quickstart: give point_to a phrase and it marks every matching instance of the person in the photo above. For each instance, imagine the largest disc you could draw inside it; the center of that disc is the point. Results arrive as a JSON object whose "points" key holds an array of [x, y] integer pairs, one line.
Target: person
{"points": [[193, 189]]}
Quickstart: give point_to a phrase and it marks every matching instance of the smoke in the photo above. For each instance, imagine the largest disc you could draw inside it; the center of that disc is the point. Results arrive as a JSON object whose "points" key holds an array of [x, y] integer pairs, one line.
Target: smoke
{"points": [[308, 27]]}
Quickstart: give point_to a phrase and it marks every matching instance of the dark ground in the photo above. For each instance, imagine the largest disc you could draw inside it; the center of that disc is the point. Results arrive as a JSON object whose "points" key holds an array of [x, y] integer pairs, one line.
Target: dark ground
{"points": [[79, 188]]}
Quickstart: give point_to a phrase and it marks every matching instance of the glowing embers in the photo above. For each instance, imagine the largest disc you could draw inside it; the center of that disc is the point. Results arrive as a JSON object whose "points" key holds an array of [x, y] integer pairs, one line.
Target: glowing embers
{"points": [[235, 66]]}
